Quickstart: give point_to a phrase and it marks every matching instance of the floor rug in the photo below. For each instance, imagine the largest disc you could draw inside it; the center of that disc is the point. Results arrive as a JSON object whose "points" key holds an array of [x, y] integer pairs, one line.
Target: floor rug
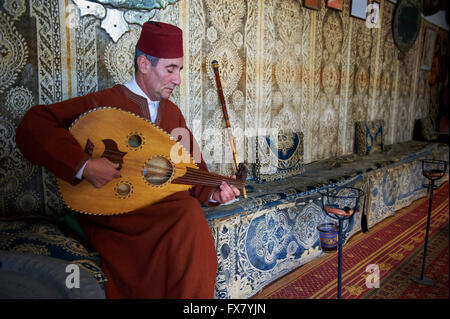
{"points": [[398, 284], [374, 259]]}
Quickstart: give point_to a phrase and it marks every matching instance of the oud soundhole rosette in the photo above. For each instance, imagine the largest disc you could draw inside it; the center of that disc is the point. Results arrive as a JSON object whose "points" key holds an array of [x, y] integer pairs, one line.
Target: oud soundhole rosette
{"points": [[123, 189], [158, 171], [135, 141]]}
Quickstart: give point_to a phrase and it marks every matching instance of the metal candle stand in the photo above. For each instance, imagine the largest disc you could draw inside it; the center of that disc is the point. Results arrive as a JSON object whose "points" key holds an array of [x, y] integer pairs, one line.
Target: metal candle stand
{"points": [[340, 203], [432, 170]]}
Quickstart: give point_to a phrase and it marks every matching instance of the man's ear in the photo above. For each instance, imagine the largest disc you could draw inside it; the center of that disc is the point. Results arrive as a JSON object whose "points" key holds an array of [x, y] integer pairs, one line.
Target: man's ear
{"points": [[144, 64]]}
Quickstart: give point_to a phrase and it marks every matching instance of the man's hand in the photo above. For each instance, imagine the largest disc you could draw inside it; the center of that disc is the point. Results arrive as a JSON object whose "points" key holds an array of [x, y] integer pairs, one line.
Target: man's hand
{"points": [[100, 171], [225, 192]]}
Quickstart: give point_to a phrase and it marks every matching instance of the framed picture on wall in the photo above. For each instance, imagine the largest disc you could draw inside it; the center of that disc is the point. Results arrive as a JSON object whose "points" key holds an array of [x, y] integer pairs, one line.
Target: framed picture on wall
{"points": [[428, 48], [335, 4], [312, 4], [358, 9]]}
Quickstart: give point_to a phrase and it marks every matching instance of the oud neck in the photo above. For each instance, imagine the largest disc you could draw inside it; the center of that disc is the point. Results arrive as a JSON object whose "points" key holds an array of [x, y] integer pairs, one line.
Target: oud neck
{"points": [[202, 178]]}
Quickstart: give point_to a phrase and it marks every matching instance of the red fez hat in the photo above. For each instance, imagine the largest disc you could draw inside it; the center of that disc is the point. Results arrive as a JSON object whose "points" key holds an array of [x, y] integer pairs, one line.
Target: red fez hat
{"points": [[161, 40]]}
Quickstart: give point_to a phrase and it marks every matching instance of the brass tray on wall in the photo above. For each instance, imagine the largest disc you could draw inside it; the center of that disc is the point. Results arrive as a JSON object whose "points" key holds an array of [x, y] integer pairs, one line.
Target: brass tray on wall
{"points": [[406, 24], [138, 4], [117, 15]]}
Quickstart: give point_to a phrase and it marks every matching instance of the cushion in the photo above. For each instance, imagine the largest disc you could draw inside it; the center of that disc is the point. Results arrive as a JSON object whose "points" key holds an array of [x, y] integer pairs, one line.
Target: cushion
{"points": [[427, 129], [43, 238], [278, 159], [30, 276], [369, 137]]}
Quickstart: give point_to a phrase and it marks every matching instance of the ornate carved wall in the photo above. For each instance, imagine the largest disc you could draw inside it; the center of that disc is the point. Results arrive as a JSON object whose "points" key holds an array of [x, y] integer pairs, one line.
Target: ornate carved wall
{"points": [[282, 65]]}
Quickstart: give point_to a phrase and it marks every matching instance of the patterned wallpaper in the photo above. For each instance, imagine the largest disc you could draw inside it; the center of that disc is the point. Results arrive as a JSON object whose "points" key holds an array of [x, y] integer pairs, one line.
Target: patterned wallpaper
{"points": [[281, 65]]}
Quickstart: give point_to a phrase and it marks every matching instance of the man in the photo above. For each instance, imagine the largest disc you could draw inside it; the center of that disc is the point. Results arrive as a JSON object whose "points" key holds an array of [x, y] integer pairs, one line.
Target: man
{"points": [[165, 250]]}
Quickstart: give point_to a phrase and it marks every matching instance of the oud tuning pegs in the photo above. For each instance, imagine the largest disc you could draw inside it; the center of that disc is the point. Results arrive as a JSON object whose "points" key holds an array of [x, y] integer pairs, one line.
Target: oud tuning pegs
{"points": [[242, 171]]}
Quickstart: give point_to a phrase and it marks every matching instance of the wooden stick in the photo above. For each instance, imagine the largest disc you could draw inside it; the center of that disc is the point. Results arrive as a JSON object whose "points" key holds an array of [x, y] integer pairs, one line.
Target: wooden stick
{"points": [[215, 66]]}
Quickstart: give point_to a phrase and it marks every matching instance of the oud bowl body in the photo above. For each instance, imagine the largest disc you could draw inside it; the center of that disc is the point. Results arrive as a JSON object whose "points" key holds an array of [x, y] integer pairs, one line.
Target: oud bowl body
{"points": [[145, 153]]}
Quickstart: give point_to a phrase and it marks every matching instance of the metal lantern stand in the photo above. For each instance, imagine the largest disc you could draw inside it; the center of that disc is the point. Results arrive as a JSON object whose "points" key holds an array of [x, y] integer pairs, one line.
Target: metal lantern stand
{"points": [[432, 170], [341, 220], [340, 203]]}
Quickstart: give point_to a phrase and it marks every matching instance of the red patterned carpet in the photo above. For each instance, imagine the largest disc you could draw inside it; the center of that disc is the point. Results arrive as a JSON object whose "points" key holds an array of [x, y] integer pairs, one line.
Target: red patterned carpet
{"points": [[398, 285], [394, 247]]}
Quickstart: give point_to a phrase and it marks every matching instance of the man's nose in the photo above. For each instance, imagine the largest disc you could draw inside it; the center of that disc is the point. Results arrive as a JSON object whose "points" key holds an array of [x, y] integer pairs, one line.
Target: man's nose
{"points": [[176, 79]]}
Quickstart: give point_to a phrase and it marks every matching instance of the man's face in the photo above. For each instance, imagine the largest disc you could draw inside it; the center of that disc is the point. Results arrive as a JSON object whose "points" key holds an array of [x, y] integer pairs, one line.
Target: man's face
{"points": [[160, 80]]}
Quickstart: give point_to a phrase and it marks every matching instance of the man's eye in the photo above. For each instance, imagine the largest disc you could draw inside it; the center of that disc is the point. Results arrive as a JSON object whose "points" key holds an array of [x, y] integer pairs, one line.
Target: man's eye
{"points": [[170, 70]]}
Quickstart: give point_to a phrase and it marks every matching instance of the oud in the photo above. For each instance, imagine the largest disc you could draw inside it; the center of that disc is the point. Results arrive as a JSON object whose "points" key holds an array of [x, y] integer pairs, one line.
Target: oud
{"points": [[153, 165]]}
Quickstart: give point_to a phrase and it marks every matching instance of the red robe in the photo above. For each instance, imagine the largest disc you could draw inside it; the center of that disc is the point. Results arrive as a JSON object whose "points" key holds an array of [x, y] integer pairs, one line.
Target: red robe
{"points": [[165, 250]]}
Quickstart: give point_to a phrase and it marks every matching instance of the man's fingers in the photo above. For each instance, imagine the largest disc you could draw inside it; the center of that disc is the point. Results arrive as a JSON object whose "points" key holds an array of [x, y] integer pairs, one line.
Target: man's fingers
{"points": [[115, 165], [116, 174], [101, 171], [228, 192]]}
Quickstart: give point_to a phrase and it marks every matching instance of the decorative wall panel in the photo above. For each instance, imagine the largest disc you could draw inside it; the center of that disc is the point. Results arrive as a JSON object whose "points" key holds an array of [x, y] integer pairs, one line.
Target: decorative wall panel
{"points": [[225, 30], [330, 108], [14, 52], [384, 92]]}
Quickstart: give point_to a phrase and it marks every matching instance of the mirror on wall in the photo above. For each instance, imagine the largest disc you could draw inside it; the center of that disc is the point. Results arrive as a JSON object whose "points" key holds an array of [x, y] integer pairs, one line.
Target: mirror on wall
{"points": [[406, 24]]}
